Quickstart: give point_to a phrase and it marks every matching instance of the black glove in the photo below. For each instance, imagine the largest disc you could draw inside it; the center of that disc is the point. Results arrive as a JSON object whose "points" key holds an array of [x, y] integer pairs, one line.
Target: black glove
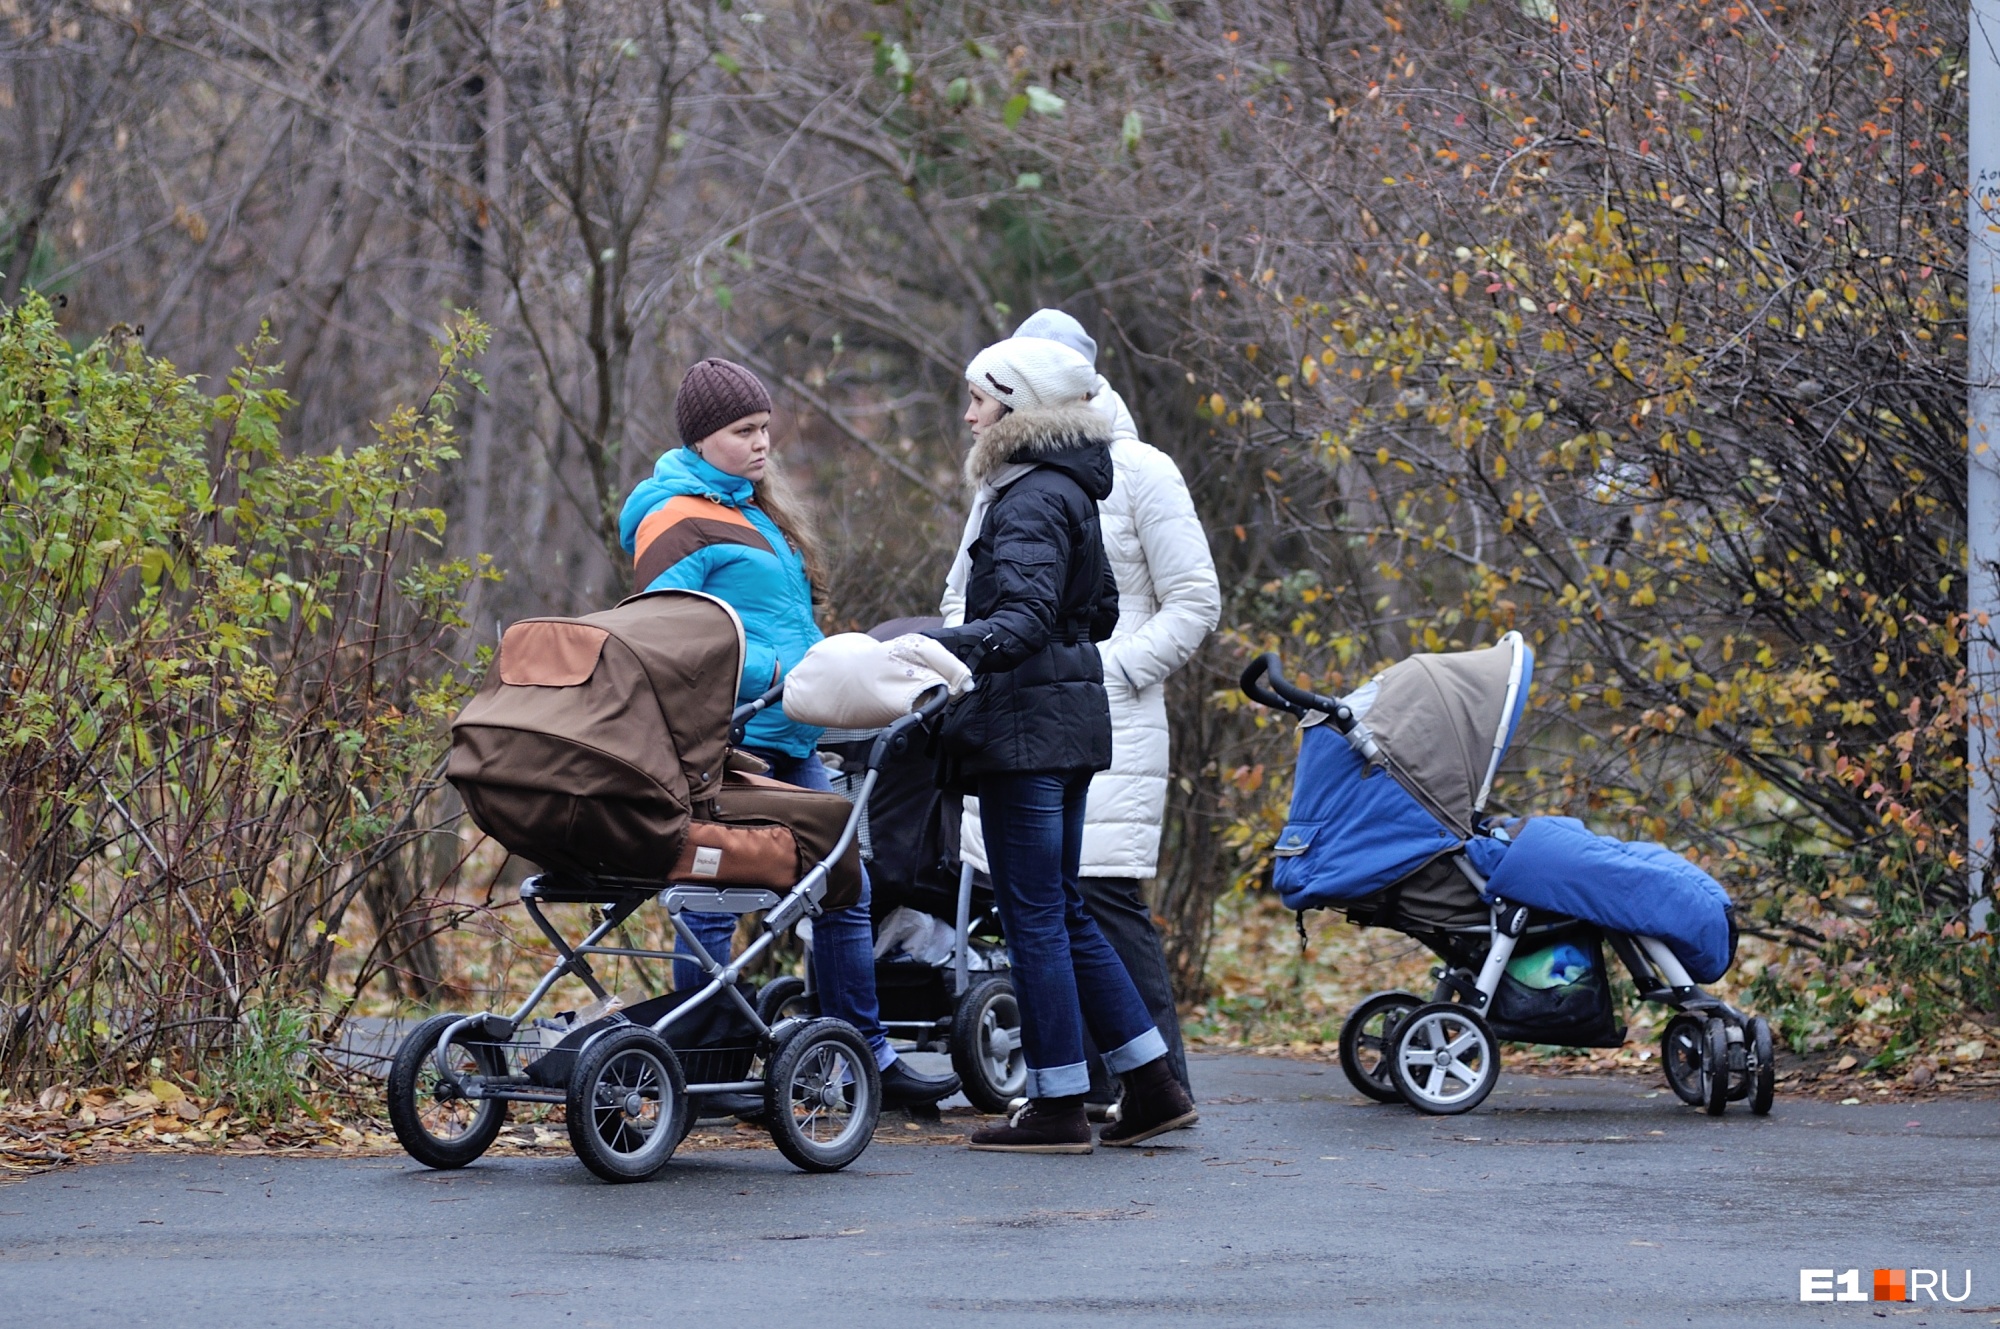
{"points": [[970, 642]]}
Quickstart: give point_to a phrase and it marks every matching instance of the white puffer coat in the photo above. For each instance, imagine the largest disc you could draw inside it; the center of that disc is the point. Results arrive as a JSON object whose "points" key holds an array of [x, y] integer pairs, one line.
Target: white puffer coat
{"points": [[1168, 601]]}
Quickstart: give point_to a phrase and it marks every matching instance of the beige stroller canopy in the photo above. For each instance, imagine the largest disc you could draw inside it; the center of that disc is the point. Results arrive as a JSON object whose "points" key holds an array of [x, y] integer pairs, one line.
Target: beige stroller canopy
{"points": [[1441, 723]]}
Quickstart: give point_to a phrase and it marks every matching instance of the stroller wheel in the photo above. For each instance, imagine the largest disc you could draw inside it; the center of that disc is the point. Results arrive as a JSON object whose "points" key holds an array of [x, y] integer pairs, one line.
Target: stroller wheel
{"points": [[1364, 1043], [825, 1096], [1715, 1067], [1763, 1073], [627, 1108], [986, 1044], [1681, 1050], [1444, 1059], [782, 998], [443, 1131]]}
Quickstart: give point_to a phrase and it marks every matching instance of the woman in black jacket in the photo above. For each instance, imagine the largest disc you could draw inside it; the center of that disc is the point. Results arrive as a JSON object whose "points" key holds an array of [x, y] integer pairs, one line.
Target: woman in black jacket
{"points": [[1039, 596]]}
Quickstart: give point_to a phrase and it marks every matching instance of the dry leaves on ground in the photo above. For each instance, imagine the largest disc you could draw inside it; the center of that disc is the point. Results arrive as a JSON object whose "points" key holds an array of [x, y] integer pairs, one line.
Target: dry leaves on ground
{"points": [[62, 1126]]}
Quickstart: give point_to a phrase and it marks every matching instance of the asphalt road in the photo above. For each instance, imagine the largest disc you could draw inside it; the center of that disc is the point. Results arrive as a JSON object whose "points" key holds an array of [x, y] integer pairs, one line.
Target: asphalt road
{"points": [[1589, 1202]]}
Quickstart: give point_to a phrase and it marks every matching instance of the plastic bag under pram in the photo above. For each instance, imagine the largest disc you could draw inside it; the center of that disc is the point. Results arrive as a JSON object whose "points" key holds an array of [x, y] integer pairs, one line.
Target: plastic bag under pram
{"points": [[1559, 865]]}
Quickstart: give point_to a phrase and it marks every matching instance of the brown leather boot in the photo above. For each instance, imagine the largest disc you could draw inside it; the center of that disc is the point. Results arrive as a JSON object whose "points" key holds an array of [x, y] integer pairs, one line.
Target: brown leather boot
{"points": [[1044, 1126], [1154, 1104]]}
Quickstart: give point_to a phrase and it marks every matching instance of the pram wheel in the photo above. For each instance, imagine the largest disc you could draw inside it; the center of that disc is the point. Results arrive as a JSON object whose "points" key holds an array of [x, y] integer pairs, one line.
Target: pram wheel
{"points": [[783, 998], [1763, 1073], [1681, 1050], [986, 1044], [443, 1131], [628, 1106], [1364, 1043], [825, 1096], [1715, 1066], [1444, 1059]]}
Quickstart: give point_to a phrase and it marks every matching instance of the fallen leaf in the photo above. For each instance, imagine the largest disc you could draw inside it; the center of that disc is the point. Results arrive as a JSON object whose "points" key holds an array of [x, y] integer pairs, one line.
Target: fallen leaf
{"points": [[1846, 1063], [166, 1091]]}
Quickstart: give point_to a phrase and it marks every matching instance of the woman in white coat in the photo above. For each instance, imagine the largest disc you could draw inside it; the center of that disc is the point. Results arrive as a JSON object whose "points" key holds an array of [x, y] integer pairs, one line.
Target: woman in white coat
{"points": [[1168, 602]]}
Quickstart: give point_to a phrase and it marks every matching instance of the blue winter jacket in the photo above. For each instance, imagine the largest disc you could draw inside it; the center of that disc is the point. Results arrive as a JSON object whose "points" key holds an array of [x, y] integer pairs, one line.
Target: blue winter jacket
{"points": [[693, 527]]}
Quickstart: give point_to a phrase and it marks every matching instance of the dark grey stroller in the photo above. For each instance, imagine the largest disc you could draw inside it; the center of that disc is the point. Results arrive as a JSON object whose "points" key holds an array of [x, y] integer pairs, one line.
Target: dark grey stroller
{"points": [[946, 987]]}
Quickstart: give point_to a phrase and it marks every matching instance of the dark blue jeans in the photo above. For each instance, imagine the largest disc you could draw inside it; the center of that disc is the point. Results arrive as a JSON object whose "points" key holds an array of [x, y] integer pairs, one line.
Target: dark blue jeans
{"points": [[843, 940], [1066, 975]]}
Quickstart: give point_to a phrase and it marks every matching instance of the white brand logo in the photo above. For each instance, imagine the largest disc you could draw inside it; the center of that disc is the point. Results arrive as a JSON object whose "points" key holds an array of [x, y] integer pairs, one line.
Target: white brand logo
{"points": [[707, 862]]}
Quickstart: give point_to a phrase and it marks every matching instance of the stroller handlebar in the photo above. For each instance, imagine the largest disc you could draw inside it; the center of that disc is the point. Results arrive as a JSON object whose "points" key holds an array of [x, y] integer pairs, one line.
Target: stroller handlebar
{"points": [[743, 714], [1264, 683], [896, 738]]}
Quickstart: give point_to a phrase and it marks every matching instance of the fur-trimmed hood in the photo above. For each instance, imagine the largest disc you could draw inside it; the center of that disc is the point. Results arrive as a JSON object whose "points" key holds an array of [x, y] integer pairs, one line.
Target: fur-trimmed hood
{"points": [[1073, 439]]}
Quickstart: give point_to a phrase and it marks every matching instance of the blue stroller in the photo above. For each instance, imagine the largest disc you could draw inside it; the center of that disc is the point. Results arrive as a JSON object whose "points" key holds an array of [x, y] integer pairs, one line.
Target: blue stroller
{"points": [[1387, 825]]}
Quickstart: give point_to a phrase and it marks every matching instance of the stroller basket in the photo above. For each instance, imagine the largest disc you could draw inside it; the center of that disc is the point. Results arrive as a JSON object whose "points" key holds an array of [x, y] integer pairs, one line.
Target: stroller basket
{"points": [[715, 1043]]}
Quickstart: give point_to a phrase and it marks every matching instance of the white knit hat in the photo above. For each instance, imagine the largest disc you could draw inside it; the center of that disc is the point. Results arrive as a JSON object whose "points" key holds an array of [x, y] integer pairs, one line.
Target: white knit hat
{"points": [[1058, 326], [1028, 372]]}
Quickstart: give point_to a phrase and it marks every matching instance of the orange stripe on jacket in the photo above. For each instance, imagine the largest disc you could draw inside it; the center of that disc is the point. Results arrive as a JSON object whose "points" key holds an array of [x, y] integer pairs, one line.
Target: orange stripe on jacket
{"points": [[680, 526]]}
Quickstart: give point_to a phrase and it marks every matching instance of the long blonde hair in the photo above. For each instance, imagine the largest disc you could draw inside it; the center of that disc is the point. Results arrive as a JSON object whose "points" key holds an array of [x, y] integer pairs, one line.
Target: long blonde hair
{"points": [[781, 503]]}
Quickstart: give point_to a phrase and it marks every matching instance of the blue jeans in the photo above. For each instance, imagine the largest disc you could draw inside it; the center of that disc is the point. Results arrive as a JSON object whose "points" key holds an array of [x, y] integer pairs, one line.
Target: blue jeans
{"points": [[843, 944], [1066, 975]]}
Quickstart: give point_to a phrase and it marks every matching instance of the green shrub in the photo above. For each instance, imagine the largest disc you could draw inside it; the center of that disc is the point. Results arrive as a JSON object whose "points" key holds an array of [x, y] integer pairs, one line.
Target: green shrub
{"points": [[222, 691]]}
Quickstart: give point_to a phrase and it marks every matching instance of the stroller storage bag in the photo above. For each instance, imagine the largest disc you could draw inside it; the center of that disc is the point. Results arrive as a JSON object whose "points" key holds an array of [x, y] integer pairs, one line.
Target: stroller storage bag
{"points": [[1557, 993]]}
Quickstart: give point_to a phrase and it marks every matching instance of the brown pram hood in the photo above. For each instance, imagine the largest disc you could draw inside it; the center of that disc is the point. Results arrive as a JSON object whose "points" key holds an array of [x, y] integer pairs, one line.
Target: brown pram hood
{"points": [[598, 749], [594, 737]]}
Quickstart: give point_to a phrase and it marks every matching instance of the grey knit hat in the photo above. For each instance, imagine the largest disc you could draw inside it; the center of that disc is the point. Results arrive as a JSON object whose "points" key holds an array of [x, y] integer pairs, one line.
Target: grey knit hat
{"points": [[715, 394], [1054, 325]]}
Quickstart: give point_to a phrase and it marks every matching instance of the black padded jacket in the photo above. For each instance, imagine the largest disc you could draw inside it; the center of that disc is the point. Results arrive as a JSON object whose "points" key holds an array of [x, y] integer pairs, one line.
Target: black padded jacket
{"points": [[1039, 596]]}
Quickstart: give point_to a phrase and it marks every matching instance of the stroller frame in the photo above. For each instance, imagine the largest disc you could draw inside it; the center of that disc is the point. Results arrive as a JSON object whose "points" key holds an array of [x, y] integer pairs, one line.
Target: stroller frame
{"points": [[1713, 1053], [490, 1037], [962, 1004], [924, 1032], [979, 1027]]}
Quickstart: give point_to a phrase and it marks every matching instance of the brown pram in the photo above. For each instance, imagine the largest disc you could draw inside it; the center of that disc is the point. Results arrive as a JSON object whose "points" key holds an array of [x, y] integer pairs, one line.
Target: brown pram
{"points": [[600, 749]]}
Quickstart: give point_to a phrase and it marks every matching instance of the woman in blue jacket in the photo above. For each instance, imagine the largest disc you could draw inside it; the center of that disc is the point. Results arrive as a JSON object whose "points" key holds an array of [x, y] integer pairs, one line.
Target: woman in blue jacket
{"points": [[713, 518]]}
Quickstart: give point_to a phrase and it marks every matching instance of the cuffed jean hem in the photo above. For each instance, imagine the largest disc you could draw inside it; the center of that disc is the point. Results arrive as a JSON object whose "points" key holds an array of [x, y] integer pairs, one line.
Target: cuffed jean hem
{"points": [[1149, 1046], [1063, 1081]]}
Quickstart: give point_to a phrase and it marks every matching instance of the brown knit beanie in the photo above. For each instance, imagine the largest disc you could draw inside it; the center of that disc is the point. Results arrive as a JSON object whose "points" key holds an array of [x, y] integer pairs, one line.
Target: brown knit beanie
{"points": [[716, 394]]}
